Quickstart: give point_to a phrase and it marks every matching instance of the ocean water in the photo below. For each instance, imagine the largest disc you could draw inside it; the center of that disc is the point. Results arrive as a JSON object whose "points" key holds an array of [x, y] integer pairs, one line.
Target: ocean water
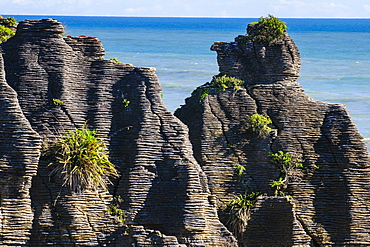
{"points": [[335, 53]]}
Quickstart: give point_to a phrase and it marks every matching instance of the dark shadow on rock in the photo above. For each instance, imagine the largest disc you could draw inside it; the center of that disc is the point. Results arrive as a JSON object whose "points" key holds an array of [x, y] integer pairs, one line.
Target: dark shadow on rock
{"points": [[271, 223], [331, 186]]}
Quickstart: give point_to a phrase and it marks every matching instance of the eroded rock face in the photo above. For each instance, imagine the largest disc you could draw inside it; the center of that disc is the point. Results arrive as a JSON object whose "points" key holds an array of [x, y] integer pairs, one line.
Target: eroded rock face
{"points": [[166, 196], [331, 191], [19, 155], [171, 187], [259, 63]]}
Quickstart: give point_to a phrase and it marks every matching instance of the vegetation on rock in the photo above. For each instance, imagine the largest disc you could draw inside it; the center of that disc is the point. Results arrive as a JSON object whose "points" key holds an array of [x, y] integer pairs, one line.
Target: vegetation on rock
{"points": [[80, 159], [11, 21], [58, 102], [221, 83], [125, 103], [240, 169], [115, 60], [204, 91], [267, 29], [114, 210], [5, 30], [5, 33], [238, 210], [258, 124], [286, 162]]}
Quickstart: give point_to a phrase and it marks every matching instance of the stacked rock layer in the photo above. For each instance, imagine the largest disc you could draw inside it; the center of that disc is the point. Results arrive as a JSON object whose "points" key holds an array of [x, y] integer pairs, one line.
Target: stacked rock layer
{"points": [[175, 178], [330, 192], [165, 193]]}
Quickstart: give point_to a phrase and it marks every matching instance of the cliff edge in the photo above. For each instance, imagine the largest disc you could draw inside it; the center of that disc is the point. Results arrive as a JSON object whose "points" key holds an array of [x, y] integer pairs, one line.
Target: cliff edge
{"points": [[52, 84], [177, 179], [322, 204]]}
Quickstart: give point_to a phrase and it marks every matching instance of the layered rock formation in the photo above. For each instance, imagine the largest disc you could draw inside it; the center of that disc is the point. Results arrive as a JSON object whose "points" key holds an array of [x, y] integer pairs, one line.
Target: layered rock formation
{"points": [[174, 188], [19, 155], [167, 201], [330, 193]]}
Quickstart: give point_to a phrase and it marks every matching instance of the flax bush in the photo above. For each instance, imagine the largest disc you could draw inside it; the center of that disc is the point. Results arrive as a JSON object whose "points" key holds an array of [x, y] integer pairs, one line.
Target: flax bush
{"points": [[81, 161], [238, 210]]}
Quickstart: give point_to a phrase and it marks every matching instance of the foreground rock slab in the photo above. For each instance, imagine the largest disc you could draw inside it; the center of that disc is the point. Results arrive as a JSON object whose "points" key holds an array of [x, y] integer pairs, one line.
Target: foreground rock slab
{"points": [[165, 193]]}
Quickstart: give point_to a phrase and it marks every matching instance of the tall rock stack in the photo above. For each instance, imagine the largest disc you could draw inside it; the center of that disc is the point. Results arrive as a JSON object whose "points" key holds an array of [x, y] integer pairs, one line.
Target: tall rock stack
{"points": [[175, 179], [331, 191], [256, 62], [19, 155], [61, 83]]}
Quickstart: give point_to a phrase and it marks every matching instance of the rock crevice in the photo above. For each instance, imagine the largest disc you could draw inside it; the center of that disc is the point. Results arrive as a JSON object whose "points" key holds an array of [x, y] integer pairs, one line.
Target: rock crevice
{"points": [[165, 192], [174, 176], [329, 192]]}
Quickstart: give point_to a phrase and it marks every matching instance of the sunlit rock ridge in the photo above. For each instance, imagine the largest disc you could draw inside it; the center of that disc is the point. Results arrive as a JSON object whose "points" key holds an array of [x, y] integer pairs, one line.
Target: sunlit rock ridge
{"points": [[330, 193], [175, 172], [166, 199]]}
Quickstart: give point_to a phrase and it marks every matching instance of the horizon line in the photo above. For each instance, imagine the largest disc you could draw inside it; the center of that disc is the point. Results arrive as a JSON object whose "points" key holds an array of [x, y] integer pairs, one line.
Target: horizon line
{"points": [[236, 17]]}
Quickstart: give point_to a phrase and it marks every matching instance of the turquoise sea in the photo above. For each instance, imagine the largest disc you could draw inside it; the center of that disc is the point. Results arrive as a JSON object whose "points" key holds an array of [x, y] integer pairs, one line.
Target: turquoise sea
{"points": [[335, 53]]}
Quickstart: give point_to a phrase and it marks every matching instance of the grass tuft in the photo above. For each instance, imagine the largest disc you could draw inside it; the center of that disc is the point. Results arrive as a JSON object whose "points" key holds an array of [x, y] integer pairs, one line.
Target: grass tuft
{"points": [[81, 161]]}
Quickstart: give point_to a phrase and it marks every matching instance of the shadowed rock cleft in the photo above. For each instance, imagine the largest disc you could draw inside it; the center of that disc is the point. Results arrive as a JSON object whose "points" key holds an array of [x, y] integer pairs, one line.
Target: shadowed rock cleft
{"points": [[162, 189], [176, 177], [329, 193]]}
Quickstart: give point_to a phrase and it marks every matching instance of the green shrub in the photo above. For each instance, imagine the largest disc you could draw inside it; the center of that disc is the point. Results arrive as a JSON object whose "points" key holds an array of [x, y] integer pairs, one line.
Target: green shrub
{"points": [[11, 22], [125, 103], [238, 210], [258, 124], [58, 102], [268, 29], [204, 91], [286, 162], [80, 159], [224, 82], [240, 169], [220, 83], [279, 186], [115, 60], [5, 33], [114, 210]]}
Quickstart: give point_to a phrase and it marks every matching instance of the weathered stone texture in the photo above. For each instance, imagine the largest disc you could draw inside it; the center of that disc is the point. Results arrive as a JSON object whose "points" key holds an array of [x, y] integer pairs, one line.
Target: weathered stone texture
{"points": [[19, 155], [331, 191], [220, 142], [165, 192], [275, 217], [172, 186], [259, 63]]}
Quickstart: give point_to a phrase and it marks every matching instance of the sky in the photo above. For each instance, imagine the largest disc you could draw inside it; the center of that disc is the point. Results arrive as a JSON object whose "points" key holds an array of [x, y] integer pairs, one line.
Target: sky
{"points": [[190, 8]]}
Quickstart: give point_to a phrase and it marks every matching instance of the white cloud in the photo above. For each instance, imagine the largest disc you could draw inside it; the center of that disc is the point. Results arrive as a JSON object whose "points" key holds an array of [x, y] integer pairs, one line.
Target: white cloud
{"points": [[42, 3], [312, 8], [158, 7], [21, 2], [366, 7], [132, 11], [332, 5], [237, 8], [291, 3]]}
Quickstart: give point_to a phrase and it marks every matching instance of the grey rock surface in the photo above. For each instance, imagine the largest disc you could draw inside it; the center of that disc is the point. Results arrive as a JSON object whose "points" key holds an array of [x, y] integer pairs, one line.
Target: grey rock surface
{"points": [[175, 177], [167, 201], [331, 192], [19, 155]]}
